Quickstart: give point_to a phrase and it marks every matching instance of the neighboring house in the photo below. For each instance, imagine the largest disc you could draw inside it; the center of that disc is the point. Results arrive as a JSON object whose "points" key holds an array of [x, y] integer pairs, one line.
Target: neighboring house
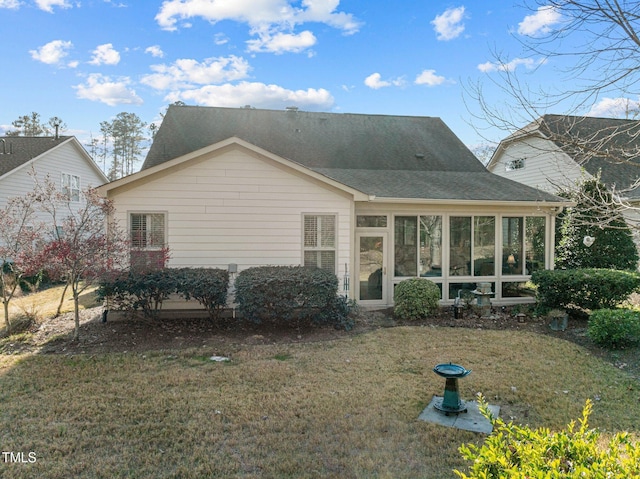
{"points": [[62, 158], [555, 151], [375, 199]]}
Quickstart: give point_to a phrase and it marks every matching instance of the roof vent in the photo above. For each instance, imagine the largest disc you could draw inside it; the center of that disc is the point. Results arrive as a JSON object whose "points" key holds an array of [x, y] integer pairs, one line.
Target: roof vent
{"points": [[420, 156]]}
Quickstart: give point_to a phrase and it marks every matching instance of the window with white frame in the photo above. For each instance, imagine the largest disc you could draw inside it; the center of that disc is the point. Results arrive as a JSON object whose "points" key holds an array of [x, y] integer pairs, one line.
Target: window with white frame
{"points": [[148, 239], [515, 164], [71, 186], [319, 242]]}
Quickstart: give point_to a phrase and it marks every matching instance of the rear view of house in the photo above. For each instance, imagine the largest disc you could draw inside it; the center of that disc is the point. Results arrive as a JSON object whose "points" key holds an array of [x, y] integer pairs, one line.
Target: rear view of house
{"points": [[373, 198]]}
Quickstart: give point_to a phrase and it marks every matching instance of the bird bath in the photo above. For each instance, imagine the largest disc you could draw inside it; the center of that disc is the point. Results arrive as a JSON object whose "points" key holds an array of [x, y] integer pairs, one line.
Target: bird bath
{"points": [[451, 402]]}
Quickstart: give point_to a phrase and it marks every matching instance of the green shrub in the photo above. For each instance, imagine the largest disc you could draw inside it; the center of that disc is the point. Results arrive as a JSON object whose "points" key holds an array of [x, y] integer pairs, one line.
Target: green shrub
{"points": [[288, 293], [586, 289], [208, 286], [146, 291], [134, 291], [415, 298], [518, 452], [613, 247], [614, 328]]}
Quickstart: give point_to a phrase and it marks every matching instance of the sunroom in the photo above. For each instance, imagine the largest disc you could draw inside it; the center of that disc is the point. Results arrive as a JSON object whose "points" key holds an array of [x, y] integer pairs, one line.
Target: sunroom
{"points": [[456, 248]]}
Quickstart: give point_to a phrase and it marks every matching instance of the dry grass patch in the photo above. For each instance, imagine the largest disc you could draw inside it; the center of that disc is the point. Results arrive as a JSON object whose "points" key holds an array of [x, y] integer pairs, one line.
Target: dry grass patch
{"points": [[344, 409], [44, 304]]}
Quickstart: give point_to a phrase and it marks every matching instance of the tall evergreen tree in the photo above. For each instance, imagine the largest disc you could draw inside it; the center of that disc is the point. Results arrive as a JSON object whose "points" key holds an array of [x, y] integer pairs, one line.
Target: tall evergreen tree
{"points": [[594, 234]]}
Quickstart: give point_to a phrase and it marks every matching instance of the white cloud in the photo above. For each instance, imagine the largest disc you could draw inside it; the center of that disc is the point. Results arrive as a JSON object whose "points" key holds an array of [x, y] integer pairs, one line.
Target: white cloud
{"points": [[429, 78], [47, 5], [277, 17], [375, 81], [282, 42], [220, 38], [187, 73], [540, 22], [614, 108], [105, 55], [102, 88], [155, 51], [449, 24], [52, 53], [258, 95], [10, 4], [528, 63]]}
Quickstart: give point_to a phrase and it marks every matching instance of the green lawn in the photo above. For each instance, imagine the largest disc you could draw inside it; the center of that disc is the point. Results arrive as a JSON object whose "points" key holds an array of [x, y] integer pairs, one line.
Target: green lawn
{"points": [[346, 408]]}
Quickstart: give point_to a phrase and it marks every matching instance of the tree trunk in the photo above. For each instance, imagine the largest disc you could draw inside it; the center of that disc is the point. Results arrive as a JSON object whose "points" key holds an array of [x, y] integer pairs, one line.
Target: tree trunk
{"points": [[76, 310], [62, 300], [7, 322]]}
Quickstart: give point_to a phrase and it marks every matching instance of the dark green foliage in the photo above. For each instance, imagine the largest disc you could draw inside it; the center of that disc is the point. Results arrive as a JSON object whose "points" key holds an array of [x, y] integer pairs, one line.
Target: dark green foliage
{"points": [[146, 291], [416, 298], [614, 328], [289, 293], [586, 289], [594, 215], [519, 452], [208, 286]]}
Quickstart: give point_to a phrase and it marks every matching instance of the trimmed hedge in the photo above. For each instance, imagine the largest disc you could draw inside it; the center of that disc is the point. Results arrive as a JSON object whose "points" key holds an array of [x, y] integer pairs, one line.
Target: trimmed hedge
{"points": [[208, 286], [415, 298], [586, 289], [146, 291], [614, 328], [289, 293]]}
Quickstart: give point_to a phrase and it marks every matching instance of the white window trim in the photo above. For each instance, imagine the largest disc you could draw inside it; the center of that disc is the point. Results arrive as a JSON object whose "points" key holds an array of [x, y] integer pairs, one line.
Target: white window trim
{"points": [[335, 248], [68, 190], [515, 164], [149, 212]]}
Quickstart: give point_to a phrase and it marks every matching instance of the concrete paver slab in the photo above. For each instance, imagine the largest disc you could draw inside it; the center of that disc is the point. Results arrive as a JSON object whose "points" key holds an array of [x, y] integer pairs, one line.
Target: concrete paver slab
{"points": [[471, 420]]}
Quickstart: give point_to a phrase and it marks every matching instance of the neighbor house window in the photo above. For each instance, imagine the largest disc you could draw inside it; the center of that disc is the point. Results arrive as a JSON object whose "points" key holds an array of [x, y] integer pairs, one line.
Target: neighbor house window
{"points": [[320, 241], [147, 240], [71, 187], [516, 164]]}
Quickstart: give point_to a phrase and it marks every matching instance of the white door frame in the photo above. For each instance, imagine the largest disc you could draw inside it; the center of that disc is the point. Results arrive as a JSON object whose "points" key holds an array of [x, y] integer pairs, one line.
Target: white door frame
{"points": [[385, 276]]}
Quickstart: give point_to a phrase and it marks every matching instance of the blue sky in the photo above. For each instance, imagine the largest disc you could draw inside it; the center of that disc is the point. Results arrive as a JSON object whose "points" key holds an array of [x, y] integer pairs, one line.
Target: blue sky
{"points": [[86, 61]]}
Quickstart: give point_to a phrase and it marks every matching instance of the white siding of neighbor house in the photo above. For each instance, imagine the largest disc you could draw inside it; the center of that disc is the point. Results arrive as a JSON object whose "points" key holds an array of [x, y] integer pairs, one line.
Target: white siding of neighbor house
{"points": [[544, 164], [236, 206], [66, 158]]}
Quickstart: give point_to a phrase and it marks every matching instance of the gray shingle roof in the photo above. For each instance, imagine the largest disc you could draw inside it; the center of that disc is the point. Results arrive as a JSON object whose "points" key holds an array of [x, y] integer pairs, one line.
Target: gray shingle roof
{"points": [[381, 155], [15, 151], [607, 145]]}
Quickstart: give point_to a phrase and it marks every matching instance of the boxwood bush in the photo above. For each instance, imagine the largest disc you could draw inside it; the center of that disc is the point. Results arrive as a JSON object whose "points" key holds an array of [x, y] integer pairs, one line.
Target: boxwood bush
{"points": [[586, 289], [415, 298], [614, 328], [208, 286], [290, 293], [134, 291], [519, 452]]}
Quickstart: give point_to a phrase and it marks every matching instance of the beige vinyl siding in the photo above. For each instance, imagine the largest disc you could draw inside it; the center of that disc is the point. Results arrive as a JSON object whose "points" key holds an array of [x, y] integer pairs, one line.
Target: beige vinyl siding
{"points": [[237, 207], [66, 158], [544, 164]]}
